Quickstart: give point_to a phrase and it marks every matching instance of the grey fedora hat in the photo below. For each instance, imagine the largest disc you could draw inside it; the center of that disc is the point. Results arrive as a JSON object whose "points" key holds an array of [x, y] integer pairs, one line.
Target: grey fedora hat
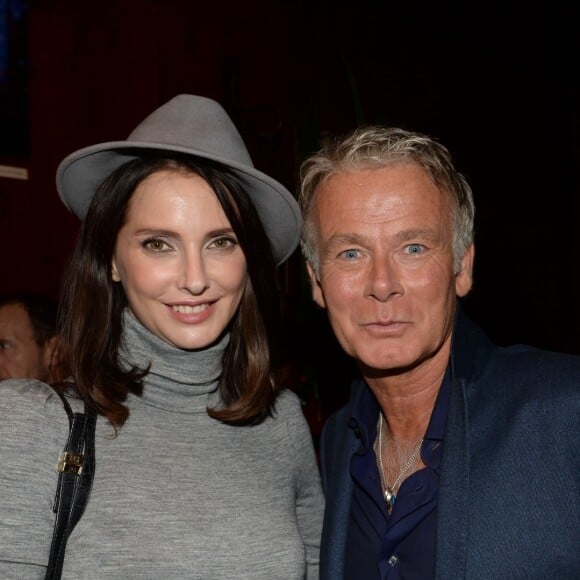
{"points": [[197, 126]]}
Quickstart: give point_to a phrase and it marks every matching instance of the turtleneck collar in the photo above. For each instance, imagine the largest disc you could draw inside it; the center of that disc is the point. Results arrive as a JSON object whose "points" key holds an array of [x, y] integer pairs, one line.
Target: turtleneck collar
{"points": [[178, 380]]}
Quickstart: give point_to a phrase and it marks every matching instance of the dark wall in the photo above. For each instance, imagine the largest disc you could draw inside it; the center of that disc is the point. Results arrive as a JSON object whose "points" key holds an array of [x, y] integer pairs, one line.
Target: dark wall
{"points": [[498, 85]]}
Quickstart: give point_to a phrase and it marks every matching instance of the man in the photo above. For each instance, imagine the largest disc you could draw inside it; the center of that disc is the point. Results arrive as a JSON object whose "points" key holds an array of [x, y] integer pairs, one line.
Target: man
{"points": [[27, 336], [454, 458]]}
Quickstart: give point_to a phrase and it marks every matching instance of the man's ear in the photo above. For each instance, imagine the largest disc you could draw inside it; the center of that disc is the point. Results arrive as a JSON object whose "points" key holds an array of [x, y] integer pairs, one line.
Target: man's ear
{"points": [[49, 351], [317, 294], [464, 278]]}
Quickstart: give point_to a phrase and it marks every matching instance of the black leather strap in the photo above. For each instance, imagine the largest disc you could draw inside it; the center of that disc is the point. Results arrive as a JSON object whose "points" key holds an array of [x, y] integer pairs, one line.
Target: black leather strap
{"points": [[73, 488]]}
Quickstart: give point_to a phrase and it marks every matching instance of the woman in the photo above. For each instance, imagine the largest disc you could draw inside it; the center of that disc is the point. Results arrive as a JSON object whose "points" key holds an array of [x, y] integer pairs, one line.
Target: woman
{"points": [[204, 467]]}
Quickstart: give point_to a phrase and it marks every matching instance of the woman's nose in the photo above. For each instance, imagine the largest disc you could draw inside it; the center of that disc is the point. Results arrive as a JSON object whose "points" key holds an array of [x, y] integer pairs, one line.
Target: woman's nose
{"points": [[194, 275]]}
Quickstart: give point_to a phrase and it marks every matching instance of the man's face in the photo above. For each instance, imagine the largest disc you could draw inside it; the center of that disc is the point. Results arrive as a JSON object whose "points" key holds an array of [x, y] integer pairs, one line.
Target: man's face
{"points": [[20, 356], [386, 266]]}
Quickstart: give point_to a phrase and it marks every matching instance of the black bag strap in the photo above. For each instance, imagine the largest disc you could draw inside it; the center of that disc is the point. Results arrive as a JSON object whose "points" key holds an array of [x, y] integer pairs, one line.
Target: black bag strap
{"points": [[76, 468]]}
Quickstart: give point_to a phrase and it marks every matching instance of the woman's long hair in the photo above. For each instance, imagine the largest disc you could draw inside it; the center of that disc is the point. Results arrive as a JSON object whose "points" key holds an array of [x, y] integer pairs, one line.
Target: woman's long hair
{"points": [[91, 306]]}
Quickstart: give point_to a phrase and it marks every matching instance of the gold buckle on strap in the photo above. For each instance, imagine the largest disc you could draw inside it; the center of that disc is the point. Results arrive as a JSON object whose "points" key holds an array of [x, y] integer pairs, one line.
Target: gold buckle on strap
{"points": [[70, 462]]}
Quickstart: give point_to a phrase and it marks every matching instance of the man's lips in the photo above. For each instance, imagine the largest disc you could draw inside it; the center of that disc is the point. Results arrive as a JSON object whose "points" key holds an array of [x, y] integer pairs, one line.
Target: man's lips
{"points": [[385, 326]]}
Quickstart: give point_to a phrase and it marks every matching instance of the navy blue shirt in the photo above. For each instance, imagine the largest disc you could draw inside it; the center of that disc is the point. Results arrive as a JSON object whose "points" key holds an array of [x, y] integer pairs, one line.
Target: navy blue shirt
{"points": [[402, 545]]}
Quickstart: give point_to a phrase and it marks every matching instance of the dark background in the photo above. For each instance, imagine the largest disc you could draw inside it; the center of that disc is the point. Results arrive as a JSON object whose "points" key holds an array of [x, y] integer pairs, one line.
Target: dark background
{"points": [[496, 83]]}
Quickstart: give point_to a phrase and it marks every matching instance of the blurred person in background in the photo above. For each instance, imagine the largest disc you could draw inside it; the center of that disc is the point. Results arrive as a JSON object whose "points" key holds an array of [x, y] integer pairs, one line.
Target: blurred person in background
{"points": [[27, 335]]}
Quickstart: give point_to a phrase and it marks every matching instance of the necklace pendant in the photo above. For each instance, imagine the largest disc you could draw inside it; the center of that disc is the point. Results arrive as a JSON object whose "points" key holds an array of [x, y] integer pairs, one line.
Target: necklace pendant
{"points": [[390, 498]]}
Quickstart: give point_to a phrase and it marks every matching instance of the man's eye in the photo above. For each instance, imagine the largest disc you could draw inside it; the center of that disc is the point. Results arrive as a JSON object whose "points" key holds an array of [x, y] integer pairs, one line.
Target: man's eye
{"points": [[350, 254], [415, 249]]}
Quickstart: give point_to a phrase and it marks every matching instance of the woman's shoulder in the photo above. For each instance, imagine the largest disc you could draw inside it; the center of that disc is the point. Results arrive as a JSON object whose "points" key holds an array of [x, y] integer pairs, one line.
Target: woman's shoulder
{"points": [[32, 406], [289, 412], [294, 435], [288, 403], [34, 428], [28, 390]]}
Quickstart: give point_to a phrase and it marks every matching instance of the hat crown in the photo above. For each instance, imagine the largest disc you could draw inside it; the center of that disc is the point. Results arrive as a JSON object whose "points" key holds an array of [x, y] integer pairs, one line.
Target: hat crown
{"points": [[194, 122], [190, 125]]}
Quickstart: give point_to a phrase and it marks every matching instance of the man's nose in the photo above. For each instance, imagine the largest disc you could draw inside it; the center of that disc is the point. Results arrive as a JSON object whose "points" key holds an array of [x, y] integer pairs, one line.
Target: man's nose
{"points": [[383, 279]]}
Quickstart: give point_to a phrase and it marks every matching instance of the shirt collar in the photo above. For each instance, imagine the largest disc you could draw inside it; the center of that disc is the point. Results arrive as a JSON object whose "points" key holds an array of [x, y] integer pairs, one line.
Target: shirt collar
{"points": [[365, 412]]}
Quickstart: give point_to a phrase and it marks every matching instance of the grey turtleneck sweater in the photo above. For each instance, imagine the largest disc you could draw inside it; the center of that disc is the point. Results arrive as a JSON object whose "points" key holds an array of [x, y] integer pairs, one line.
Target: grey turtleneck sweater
{"points": [[176, 494]]}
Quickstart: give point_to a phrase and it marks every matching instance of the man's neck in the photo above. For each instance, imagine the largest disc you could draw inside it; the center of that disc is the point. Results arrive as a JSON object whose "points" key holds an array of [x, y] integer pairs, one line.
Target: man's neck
{"points": [[407, 398]]}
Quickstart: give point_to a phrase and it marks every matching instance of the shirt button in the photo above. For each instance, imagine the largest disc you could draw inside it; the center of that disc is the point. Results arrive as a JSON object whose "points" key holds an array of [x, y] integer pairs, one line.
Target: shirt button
{"points": [[393, 560]]}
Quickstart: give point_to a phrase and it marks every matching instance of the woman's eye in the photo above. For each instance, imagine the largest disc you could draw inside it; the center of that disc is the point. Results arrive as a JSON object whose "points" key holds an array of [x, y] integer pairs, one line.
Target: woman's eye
{"points": [[223, 243], [155, 245]]}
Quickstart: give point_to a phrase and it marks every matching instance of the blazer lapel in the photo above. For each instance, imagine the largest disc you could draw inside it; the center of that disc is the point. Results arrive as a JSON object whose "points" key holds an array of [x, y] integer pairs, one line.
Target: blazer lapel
{"points": [[337, 512], [453, 501]]}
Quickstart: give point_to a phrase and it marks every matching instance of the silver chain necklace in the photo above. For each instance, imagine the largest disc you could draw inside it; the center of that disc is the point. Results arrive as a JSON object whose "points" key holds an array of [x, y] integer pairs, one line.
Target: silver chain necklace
{"points": [[390, 495]]}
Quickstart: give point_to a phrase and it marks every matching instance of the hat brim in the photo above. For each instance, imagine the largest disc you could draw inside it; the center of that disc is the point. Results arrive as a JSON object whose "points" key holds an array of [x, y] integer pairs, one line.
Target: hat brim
{"points": [[80, 174]]}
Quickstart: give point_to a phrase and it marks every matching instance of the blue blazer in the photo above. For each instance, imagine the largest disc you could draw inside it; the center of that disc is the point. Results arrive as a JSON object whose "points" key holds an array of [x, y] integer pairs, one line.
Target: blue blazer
{"points": [[510, 472]]}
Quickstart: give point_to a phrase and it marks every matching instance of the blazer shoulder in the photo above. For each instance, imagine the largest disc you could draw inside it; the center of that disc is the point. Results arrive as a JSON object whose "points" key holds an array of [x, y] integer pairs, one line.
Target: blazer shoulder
{"points": [[538, 366]]}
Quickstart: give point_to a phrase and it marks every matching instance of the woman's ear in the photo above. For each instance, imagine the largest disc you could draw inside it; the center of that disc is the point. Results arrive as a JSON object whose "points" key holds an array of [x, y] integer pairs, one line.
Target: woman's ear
{"points": [[114, 272]]}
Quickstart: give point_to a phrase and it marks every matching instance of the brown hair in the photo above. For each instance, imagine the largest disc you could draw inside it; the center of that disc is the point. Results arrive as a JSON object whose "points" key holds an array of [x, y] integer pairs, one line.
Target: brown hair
{"points": [[90, 317]]}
